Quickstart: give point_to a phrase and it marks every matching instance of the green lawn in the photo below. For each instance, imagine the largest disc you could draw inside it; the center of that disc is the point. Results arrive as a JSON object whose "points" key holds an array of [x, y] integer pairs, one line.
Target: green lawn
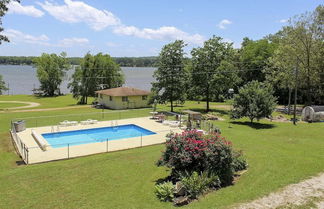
{"points": [[4, 105], [45, 102], [278, 154]]}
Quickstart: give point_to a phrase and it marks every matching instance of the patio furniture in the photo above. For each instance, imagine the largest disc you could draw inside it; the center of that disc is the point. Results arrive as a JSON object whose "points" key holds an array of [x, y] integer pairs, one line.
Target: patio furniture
{"points": [[174, 123], [160, 117], [166, 122], [89, 121], [68, 123], [154, 115]]}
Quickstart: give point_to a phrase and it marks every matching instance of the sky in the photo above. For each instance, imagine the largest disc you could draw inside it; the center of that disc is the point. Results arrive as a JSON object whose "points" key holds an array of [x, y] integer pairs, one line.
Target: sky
{"points": [[141, 27]]}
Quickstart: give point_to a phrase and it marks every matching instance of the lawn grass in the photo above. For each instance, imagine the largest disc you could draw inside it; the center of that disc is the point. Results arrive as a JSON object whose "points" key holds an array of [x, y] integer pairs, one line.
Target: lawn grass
{"points": [[4, 105], [278, 154], [45, 102]]}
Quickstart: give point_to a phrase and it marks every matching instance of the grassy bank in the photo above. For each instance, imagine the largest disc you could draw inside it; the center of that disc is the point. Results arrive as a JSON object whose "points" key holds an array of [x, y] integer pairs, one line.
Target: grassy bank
{"points": [[45, 102], [278, 154]]}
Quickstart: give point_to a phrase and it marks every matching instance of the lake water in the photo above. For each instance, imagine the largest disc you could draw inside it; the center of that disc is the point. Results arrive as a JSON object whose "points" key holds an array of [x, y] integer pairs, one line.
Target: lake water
{"points": [[22, 78]]}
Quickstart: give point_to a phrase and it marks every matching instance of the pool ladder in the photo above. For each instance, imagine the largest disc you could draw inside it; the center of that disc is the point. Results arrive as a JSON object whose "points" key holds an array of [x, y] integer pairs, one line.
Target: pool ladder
{"points": [[114, 124], [53, 129]]}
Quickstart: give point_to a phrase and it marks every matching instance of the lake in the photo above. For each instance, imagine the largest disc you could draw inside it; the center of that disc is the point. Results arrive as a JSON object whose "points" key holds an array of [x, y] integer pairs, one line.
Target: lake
{"points": [[22, 78]]}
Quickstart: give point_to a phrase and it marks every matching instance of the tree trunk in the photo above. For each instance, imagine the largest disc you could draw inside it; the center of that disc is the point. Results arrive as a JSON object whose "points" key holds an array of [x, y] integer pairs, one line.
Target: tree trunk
{"points": [[207, 99], [289, 101], [171, 105]]}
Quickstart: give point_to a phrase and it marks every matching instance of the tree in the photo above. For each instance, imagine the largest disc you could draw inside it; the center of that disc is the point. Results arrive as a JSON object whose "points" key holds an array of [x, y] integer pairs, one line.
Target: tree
{"points": [[206, 63], [255, 100], [95, 73], [171, 76], [253, 58], [51, 69], [2, 85], [3, 10], [301, 43]]}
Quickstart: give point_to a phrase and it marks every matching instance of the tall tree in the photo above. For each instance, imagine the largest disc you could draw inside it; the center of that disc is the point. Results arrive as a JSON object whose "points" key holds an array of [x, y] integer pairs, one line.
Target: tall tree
{"points": [[302, 43], [3, 10], [95, 73], [51, 69], [171, 76], [206, 63], [2, 85], [253, 58]]}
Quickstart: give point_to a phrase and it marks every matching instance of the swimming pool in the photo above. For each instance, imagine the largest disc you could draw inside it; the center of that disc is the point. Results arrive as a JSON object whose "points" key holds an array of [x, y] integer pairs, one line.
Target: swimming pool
{"points": [[86, 136]]}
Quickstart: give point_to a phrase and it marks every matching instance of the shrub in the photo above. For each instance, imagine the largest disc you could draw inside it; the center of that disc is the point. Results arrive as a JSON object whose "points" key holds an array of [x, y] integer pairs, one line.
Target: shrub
{"points": [[192, 151], [239, 163], [164, 191], [255, 100], [196, 184]]}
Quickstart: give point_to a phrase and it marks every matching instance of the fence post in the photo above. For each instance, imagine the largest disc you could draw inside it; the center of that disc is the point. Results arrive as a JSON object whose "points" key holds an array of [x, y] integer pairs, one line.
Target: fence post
{"points": [[107, 145], [68, 151], [27, 160]]}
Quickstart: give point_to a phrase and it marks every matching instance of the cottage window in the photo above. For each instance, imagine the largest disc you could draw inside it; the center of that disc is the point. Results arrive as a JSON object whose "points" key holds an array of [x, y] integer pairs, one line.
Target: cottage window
{"points": [[125, 99], [110, 98], [144, 97], [100, 96]]}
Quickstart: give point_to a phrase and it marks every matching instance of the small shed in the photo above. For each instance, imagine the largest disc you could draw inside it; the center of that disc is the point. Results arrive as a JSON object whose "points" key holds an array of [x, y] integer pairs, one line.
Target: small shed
{"points": [[123, 98], [313, 114]]}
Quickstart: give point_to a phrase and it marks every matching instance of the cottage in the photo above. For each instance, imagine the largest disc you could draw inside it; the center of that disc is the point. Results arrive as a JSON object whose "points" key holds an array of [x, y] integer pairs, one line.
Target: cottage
{"points": [[123, 98], [313, 113]]}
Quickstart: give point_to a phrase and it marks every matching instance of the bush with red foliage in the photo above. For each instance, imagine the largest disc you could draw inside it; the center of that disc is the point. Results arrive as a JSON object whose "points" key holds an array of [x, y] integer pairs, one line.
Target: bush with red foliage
{"points": [[194, 151]]}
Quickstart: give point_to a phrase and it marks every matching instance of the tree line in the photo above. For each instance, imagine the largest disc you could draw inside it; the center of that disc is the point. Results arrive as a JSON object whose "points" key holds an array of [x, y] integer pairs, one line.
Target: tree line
{"points": [[292, 58], [121, 61]]}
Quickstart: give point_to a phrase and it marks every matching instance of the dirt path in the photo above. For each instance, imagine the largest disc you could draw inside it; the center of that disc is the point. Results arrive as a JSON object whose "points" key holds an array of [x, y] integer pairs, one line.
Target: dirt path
{"points": [[49, 109], [291, 195], [28, 104]]}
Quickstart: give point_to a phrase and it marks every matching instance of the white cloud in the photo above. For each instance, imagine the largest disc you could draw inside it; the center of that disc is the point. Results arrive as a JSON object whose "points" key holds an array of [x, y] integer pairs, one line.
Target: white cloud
{"points": [[16, 8], [68, 42], [19, 36], [222, 24], [162, 33], [283, 20], [78, 11]]}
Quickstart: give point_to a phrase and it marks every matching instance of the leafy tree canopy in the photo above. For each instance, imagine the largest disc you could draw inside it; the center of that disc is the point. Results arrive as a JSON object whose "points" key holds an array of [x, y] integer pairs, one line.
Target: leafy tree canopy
{"points": [[96, 72], [171, 76], [51, 69], [255, 100]]}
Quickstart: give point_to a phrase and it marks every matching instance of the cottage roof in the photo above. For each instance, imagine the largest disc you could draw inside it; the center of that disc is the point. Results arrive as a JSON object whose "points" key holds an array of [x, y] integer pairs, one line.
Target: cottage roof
{"points": [[123, 91]]}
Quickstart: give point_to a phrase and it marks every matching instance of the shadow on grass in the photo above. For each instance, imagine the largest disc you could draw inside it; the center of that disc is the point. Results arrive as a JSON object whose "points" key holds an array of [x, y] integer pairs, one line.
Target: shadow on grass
{"points": [[20, 162], [254, 125], [201, 110]]}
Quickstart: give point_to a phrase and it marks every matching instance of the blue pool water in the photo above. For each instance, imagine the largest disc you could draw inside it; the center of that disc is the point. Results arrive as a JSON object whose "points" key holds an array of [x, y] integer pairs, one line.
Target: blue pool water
{"points": [[86, 136]]}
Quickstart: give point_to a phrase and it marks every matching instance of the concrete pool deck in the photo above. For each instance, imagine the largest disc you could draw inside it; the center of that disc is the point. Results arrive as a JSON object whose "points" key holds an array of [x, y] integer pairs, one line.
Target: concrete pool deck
{"points": [[37, 155]]}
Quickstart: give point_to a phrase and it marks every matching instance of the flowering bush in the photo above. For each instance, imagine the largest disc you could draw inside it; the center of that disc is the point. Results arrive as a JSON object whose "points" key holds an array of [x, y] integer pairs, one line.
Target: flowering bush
{"points": [[193, 151]]}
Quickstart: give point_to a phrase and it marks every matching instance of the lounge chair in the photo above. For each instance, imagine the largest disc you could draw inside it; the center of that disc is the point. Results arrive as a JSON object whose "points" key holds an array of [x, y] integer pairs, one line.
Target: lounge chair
{"points": [[174, 123]]}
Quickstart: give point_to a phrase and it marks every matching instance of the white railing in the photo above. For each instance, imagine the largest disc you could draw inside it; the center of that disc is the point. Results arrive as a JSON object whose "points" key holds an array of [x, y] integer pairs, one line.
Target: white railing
{"points": [[21, 148]]}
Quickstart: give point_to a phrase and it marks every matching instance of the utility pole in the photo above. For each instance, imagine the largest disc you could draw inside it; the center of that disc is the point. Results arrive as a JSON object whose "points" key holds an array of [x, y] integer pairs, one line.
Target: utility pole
{"points": [[8, 89], [296, 82]]}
